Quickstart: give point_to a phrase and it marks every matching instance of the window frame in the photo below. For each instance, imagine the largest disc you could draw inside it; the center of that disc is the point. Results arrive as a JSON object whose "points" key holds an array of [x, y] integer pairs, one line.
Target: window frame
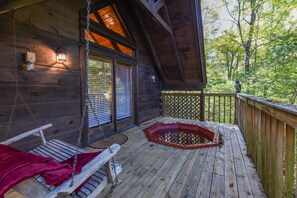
{"points": [[115, 123], [109, 34]]}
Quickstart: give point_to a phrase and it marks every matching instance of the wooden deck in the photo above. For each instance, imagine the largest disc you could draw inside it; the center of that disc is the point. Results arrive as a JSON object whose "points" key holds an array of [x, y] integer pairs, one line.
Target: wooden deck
{"points": [[153, 170]]}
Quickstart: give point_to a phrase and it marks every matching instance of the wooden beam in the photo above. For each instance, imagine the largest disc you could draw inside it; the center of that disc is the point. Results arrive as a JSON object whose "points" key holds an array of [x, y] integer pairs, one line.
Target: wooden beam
{"points": [[7, 6], [174, 45], [150, 43], [159, 4], [104, 31], [136, 93], [110, 53], [114, 44], [153, 14], [199, 38], [202, 106], [93, 37]]}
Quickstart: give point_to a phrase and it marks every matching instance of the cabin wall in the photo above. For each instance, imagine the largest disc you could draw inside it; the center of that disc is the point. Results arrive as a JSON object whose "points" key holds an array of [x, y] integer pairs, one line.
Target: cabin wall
{"points": [[53, 90], [149, 92]]}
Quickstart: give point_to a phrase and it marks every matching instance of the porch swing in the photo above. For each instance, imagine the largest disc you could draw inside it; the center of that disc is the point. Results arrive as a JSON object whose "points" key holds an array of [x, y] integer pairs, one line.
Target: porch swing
{"points": [[94, 175]]}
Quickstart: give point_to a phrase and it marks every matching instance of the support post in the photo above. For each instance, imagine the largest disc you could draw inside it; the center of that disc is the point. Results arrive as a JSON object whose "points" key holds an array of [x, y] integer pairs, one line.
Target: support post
{"points": [[202, 106]]}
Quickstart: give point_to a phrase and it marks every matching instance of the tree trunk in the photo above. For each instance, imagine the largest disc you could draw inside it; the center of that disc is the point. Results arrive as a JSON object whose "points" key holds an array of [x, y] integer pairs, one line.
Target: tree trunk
{"points": [[247, 57]]}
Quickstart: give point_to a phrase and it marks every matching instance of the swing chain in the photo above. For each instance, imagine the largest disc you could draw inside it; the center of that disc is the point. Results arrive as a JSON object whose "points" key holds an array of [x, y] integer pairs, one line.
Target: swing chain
{"points": [[87, 104], [82, 121], [17, 90]]}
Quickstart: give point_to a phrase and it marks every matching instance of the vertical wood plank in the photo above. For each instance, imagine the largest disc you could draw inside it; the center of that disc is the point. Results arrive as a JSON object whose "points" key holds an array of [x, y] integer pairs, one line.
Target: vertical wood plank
{"points": [[263, 147], [219, 109], [214, 109], [257, 140], [244, 120], [230, 109], [224, 109], [279, 159], [289, 161], [230, 171], [249, 129], [202, 106], [235, 109], [267, 182], [273, 127], [208, 111]]}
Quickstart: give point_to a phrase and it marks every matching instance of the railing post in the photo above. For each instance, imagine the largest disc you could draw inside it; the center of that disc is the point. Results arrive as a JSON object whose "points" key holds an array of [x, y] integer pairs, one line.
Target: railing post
{"points": [[202, 106], [236, 110]]}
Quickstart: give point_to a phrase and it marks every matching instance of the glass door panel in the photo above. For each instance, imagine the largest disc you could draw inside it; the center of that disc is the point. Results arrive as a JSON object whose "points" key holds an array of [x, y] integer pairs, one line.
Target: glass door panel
{"points": [[123, 91], [100, 92]]}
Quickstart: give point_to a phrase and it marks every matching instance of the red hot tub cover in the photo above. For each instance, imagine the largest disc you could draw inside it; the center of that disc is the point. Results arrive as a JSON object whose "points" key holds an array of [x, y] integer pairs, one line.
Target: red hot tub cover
{"points": [[161, 132]]}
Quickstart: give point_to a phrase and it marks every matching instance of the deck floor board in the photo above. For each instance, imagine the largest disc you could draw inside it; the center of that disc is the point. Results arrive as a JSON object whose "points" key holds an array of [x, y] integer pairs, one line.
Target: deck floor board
{"points": [[161, 171], [157, 171]]}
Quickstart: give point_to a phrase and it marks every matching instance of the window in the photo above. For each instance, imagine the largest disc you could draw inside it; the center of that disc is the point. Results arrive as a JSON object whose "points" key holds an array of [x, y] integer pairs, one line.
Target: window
{"points": [[101, 40], [109, 17], [100, 91], [123, 91], [110, 39]]}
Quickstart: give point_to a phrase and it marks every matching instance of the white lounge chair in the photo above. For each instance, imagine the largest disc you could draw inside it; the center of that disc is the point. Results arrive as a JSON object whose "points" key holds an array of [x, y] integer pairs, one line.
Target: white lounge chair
{"points": [[100, 169]]}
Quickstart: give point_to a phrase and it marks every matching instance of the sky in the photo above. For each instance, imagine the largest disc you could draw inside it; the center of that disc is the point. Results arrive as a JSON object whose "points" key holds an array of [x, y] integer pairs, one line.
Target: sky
{"points": [[224, 21]]}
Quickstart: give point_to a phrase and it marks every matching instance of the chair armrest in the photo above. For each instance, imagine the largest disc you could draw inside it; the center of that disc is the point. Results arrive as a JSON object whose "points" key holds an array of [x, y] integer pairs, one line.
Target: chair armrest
{"points": [[28, 133], [88, 170]]}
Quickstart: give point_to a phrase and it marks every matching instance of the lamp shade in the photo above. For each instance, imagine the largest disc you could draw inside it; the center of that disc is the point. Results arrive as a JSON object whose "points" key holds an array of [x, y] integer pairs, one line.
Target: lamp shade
{"points": [[61, 54], [61, 57]]}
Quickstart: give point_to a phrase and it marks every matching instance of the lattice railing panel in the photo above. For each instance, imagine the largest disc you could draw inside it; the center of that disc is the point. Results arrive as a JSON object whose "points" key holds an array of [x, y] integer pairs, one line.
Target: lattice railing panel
{"points": [[181, 105]]}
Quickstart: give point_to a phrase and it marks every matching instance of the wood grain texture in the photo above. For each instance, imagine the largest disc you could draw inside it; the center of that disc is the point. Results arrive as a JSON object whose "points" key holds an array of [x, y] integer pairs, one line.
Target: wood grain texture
{"points": [[270, 130], [54, 90], [160, 171], [290, 161]]}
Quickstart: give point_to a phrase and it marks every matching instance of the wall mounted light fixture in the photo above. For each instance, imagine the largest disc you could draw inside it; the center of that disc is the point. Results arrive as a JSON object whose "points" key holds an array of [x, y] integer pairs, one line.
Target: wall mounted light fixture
{"points": [[154, 78], [61, 54], [30, 60]]}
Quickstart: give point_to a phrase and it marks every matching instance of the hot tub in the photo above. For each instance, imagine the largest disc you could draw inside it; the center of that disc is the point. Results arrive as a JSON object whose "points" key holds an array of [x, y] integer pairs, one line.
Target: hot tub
{"points": [[184, 136]]}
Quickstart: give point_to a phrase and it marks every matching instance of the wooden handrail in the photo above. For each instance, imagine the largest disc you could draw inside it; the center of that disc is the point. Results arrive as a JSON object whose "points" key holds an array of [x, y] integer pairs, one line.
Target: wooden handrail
{"points": [[269, 129]]}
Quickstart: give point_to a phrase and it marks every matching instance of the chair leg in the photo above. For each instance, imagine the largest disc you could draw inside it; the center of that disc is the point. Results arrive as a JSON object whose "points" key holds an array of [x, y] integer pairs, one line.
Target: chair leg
{"points": [[110, 173]]}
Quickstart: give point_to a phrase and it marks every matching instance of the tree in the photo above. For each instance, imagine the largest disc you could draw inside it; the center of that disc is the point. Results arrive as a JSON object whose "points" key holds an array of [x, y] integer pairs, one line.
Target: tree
{"points": [[244, 15], [229, 46], [260, 49]]}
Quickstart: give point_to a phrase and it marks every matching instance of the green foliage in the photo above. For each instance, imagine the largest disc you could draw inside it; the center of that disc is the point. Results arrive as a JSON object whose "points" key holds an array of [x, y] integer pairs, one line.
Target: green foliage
{"points": [[272, 54]]}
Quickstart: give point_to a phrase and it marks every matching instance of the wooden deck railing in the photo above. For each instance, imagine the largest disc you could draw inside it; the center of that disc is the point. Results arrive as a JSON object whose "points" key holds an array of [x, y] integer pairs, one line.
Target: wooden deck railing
{"points": [[220, 107], [197, 106], [269, 130]]}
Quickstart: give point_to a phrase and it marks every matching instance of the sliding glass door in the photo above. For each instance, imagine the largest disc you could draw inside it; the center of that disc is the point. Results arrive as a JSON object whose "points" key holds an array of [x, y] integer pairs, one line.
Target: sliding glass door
{"points": [[102, 86]]}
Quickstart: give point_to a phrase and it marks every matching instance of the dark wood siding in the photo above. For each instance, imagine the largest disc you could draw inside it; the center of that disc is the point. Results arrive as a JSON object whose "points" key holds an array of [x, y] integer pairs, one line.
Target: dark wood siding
{"points": [[53, 90], [177, 39], [149, 92]]}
